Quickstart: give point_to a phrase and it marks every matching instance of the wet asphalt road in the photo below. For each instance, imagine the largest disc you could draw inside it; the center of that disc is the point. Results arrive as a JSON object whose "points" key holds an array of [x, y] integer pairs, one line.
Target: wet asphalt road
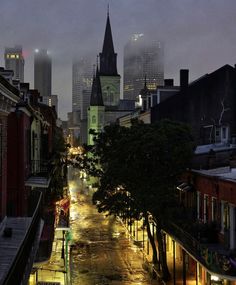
{"points": [[102, 252]]}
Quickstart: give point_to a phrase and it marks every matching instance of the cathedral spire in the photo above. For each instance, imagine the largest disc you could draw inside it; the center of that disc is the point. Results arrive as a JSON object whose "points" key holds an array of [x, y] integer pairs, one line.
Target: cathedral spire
{"points": [[108, 41], [108, 55], [96, 93]]}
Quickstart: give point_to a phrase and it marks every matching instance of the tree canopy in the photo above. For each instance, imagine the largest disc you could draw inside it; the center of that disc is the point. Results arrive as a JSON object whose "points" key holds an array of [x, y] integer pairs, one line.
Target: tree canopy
{"points": [[143, 160]]}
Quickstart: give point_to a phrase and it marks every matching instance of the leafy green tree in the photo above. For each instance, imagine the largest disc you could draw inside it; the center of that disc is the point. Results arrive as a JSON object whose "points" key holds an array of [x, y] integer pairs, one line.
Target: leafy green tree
{"points": [[139, 168]]}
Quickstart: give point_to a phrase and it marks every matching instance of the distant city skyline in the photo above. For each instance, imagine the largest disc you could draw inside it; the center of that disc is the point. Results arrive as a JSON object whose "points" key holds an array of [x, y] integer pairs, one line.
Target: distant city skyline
{"points": [[197, 35]]}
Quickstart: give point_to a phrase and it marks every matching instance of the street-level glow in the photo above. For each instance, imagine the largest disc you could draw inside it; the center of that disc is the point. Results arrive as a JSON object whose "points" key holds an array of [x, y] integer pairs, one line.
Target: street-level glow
{"points": [[215, 278], [36, 50]]}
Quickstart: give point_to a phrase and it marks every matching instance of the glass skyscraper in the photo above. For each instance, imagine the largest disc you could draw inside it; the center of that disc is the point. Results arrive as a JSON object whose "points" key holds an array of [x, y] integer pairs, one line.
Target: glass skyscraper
{"points": [[143, 57]]}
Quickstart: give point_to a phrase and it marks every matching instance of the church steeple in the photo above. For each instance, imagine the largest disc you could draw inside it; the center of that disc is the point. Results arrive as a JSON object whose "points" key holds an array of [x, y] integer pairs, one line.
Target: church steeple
{"points": [[96, 93], [108, 55]]}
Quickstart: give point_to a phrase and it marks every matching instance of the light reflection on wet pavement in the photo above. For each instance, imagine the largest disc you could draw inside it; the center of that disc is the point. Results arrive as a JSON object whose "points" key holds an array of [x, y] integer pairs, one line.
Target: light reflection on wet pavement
{"points": [[102, 253]]}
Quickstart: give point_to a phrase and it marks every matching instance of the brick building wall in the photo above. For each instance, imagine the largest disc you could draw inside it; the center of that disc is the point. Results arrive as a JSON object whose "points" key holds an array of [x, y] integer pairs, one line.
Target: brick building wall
{"points": [[3, 165]]}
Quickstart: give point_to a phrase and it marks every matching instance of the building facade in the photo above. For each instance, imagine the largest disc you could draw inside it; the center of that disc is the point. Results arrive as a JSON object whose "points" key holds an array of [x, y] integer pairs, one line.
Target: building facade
{"points": [[206, 104], [14, 60], [96, 109], [142, 57], [203, 244], [9, 96]]}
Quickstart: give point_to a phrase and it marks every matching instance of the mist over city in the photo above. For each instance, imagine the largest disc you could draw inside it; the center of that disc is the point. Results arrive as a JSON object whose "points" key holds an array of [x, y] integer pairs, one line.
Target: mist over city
{"points": [[198, 35], [117, 142]]}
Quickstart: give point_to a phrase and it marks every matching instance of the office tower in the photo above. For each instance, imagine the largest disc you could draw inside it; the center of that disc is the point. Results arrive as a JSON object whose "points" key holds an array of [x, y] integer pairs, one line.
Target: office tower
{"points": [[143, 57], [42, 72], [51, 101], [14, 60], [82, 76]]}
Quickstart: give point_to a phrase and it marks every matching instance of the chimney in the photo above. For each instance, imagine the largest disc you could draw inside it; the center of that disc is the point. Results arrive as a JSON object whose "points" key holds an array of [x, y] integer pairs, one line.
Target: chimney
{"points": [[34, 97], [169, 82], [183, 79]]}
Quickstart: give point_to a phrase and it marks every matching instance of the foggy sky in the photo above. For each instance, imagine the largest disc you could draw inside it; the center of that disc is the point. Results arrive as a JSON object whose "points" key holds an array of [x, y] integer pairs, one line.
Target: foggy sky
{"points": [[198, 34]]}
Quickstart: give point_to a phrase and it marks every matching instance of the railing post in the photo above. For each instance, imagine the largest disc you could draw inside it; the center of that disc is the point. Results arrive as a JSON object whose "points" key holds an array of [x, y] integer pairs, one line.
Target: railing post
{"points": [[197, 268], [143, 234], [174, 280], [137, 230], [184, 267]]}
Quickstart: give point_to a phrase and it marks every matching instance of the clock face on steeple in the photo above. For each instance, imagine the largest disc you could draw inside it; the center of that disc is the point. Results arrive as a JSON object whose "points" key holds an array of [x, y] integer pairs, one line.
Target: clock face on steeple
{"points": [[110, 90]]}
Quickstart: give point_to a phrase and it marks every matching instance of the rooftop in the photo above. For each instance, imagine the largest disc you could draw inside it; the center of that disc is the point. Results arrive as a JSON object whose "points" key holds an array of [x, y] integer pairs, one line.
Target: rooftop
{"points": [[203, 149], [225, 173]]}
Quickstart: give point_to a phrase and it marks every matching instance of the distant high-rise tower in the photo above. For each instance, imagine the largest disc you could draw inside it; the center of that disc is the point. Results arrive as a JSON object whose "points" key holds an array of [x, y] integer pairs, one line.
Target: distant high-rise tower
{"points": [[14, 60], [82, 77], [42, 72], [142, 57]]}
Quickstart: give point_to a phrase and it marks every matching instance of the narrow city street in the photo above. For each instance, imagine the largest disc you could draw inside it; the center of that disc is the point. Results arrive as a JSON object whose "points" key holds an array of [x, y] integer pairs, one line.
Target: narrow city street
{"points": [[101, 252]]}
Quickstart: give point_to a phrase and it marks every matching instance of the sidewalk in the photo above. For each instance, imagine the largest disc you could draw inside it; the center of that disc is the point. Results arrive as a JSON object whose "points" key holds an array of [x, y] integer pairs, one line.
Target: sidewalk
{"points": [[55, 268], [140, 238]]}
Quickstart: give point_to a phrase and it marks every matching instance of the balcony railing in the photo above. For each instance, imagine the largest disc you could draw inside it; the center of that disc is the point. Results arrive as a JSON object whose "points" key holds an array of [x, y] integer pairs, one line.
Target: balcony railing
{"points": [[214, 257], [40, 167], [17, 271]]}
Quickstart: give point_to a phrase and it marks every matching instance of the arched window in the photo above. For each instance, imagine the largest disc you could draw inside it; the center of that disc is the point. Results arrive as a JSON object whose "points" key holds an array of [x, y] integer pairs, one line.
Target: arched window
{"points": [[93, 119]]}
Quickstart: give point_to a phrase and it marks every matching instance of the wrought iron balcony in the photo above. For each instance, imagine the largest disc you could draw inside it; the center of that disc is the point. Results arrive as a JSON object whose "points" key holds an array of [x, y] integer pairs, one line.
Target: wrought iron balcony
{"points": [[18, 244], [40, 174], [213, 256], [40, 167]]}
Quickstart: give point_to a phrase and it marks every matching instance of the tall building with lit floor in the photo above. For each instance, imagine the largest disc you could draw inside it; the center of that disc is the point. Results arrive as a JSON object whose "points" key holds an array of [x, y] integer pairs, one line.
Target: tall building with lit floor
{"points": [[14, 60], [142, 57]]}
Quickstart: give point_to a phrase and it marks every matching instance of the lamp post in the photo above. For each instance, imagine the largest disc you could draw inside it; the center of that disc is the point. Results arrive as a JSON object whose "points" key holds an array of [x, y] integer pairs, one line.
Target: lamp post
{"points": [[174, 280], [68, 238], [63, 250]]}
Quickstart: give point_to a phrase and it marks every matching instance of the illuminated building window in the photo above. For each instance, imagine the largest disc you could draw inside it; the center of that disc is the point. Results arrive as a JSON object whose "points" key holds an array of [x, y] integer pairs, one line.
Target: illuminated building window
{"points": [[12, 56], [50, 102]]}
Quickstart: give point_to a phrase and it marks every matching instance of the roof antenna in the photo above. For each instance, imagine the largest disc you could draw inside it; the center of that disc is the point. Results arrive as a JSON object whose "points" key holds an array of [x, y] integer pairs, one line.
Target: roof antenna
{"points": [[145, 80], [108, 10], [94, 68], [97, 70]]}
